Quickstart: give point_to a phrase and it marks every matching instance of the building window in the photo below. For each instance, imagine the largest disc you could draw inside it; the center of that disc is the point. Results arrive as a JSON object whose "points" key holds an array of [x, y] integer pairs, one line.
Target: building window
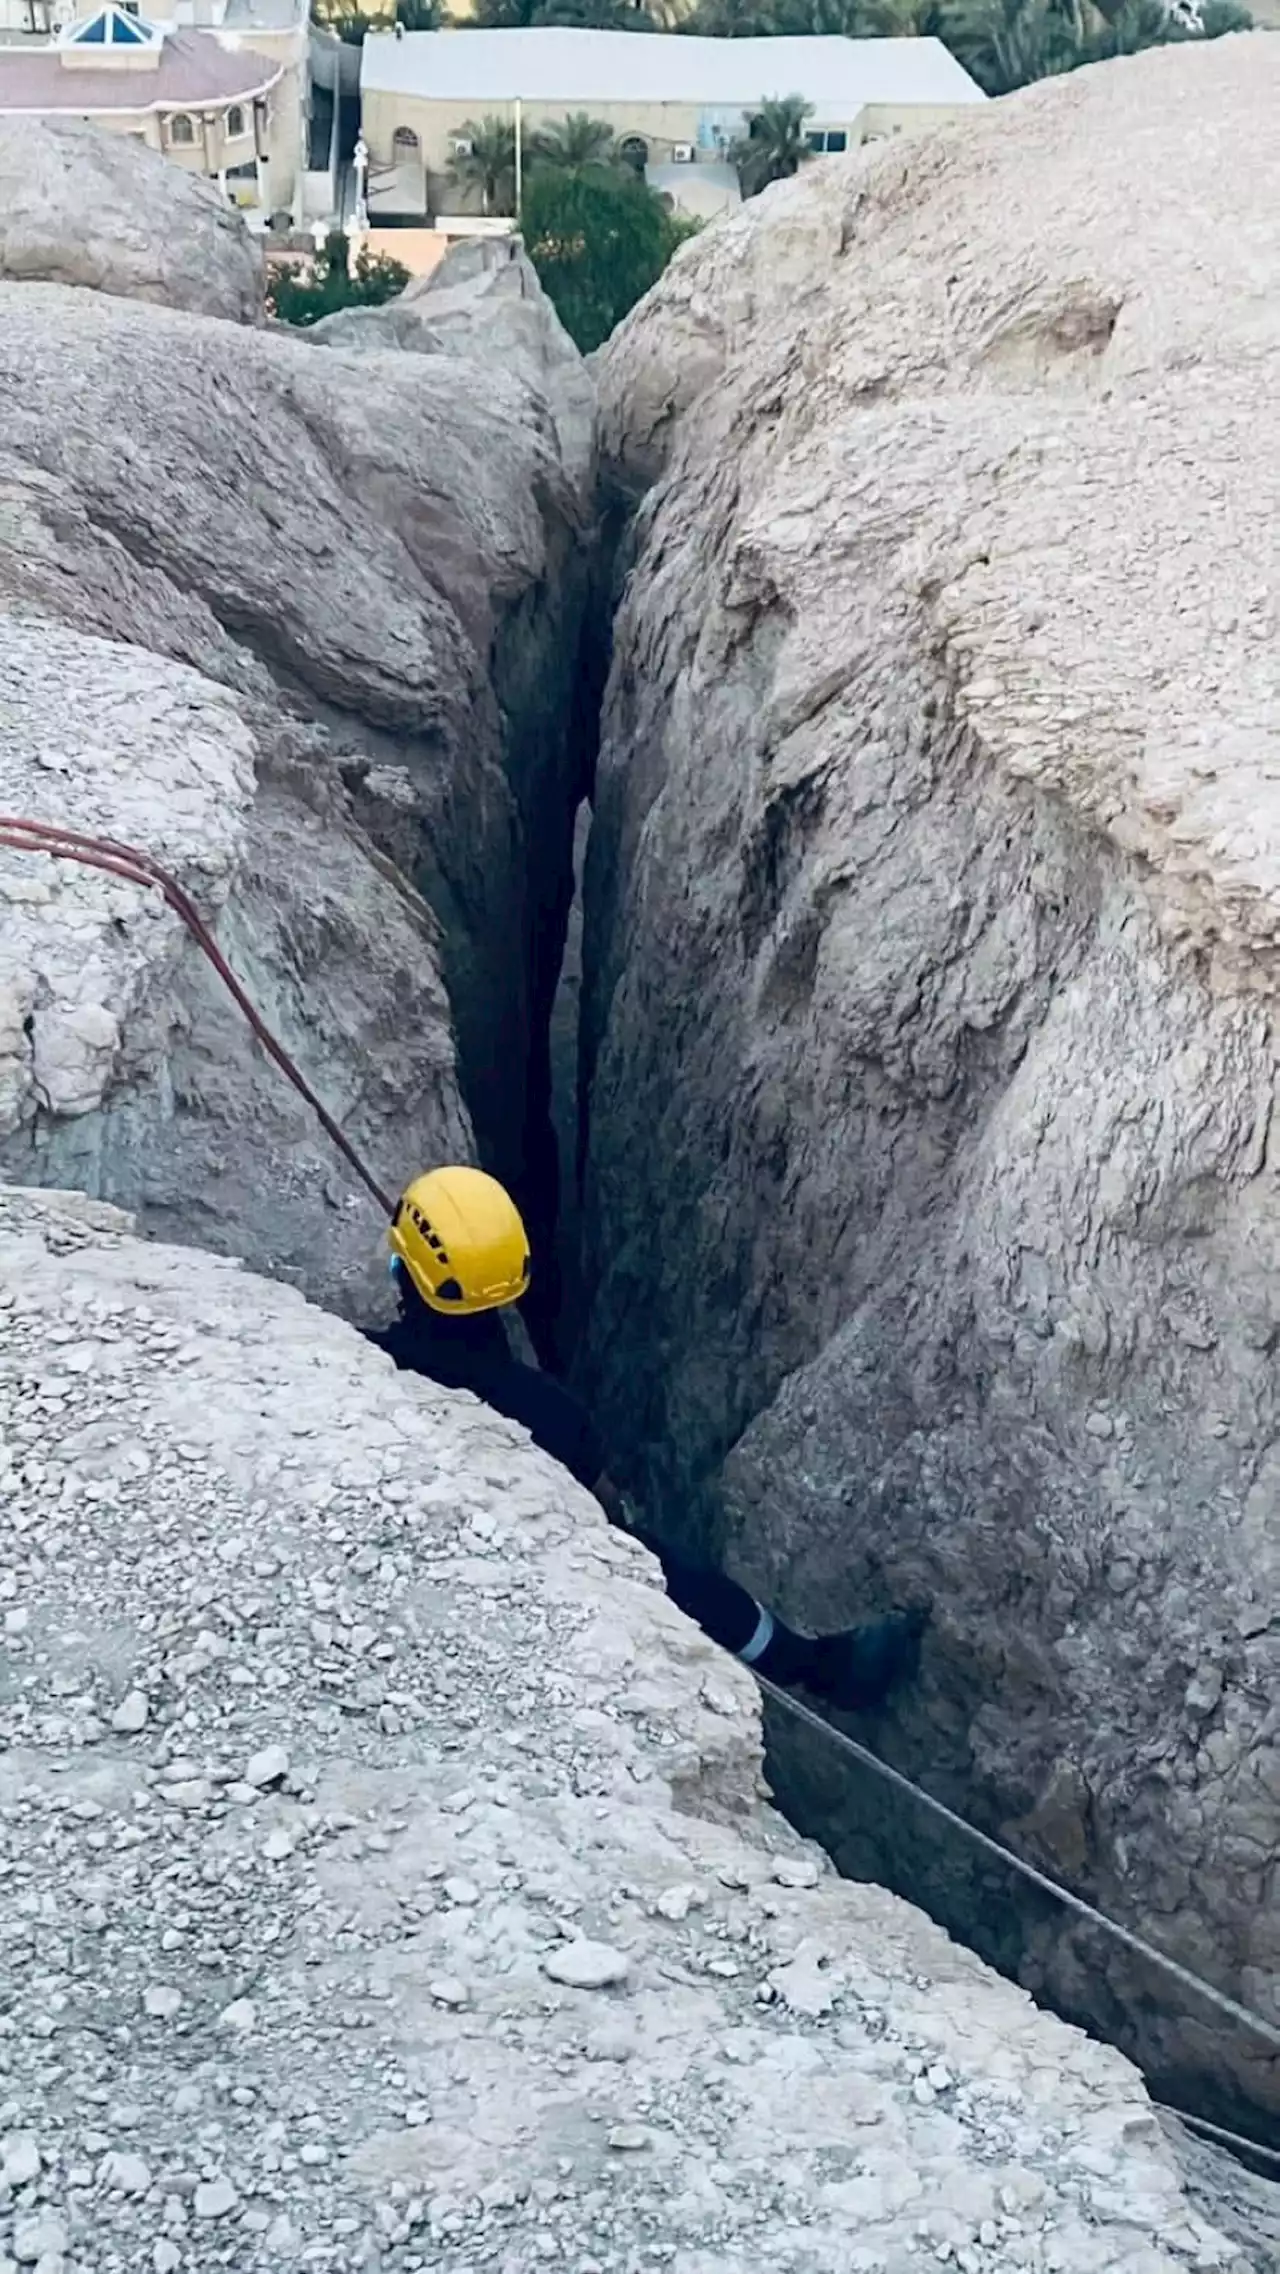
{"points": [[830, 141], [235, 122], [181, 130], [404, 143], [634, 151]]}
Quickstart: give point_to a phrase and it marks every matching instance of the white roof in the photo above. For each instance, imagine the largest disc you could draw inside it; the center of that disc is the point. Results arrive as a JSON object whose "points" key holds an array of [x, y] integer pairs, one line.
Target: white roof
{"points": [[581, 68]]}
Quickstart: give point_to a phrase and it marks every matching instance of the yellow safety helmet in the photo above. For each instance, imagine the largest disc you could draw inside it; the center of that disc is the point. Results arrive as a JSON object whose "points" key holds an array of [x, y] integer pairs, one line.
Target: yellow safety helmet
{"points": [[460, 1237]]}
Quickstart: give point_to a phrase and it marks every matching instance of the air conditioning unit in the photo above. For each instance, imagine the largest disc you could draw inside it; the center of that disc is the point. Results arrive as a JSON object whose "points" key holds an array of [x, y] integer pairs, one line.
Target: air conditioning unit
{"points": [[462, 146], [682, 153]]}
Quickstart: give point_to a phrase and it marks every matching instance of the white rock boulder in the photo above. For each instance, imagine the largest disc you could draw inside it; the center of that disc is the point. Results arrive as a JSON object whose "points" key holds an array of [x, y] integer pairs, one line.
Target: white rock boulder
{"points": [[81, 206]]}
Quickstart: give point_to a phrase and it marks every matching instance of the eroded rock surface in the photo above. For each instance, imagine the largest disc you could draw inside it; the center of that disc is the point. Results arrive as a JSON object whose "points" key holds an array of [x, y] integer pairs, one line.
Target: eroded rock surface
{"points": [[377, 565], [484, 304], [124, 1064], [84, 207], [386, 1878], [932, 918]]}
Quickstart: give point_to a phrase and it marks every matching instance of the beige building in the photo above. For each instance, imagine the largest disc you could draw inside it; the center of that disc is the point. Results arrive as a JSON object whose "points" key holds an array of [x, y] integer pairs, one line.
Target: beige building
{"points": [[676, 104], [217, 86]]}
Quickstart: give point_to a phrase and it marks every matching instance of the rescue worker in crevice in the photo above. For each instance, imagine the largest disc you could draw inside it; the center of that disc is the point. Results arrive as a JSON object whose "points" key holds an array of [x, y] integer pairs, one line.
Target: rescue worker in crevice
{"points": [[460, 1257]]}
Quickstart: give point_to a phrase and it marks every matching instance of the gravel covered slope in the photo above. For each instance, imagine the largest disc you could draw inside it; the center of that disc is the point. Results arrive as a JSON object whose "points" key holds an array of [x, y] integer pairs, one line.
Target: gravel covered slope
{"points": [[386, 1880]]}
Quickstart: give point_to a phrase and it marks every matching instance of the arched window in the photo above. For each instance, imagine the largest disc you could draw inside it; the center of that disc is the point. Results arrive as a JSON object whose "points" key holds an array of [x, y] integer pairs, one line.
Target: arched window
{"points": [[181, 130], [235, 122], [404, 142], [634, 151]]}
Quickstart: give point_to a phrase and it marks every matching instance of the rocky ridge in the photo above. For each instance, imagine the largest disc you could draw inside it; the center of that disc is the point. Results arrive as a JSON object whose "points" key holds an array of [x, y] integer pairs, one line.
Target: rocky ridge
{"points": [[931, 922], [386, 1879], [376, 566], [124, 1065], [81, 207], [484, 304]]}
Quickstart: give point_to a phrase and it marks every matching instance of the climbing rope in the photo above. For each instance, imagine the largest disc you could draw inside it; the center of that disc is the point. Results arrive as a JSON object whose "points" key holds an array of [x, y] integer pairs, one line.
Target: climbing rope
{"points": [[136, 867], [140, 868], [1255, 2023], [1239, 2142]]}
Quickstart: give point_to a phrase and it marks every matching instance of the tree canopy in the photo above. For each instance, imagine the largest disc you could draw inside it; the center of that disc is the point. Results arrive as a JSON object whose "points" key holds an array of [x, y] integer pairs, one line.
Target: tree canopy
{"points": [[1008, 43], [775, 145], [351, 24], [598, 238], [331, 282], [579, 144], [1004, 43], [487, 171], [587, 15]]}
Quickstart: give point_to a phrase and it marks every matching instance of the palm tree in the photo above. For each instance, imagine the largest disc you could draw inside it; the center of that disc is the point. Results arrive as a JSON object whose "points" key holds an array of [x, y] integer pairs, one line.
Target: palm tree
{"points": [[594, 15], [842, 19], [775, 145], [1008, 43], [579, 145], [902, 19], [351, 23], [735, 19], [488, 168], [1005, 43]]}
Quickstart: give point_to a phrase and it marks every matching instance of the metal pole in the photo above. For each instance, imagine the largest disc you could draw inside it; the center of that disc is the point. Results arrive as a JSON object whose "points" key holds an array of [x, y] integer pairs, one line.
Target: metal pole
{"points": [[519, 159]]}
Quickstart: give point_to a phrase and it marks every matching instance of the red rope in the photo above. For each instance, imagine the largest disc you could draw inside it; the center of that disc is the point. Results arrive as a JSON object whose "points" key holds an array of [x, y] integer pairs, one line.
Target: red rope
{"points": [[23, 836]]}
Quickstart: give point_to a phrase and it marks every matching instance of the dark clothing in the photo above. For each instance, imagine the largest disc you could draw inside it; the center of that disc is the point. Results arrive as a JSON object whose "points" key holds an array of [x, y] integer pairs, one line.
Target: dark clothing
{"points": [[473, 1354]]}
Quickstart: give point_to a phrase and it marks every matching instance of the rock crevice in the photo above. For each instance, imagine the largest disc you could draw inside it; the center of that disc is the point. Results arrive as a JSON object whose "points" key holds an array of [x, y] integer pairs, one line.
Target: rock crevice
{"points": [[390, 1878], [931, 954], [377, 564]]}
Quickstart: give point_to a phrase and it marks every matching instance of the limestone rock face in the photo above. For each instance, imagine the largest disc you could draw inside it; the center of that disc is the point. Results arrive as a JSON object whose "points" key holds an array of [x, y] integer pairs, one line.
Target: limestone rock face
{"points": [[81, 206], [933, 904], [414, 1842], [365, 573], [485, 304], [124, 1064]]}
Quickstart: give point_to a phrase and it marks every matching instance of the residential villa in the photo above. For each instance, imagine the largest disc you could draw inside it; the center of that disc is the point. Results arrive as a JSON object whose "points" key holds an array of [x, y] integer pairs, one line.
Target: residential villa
{"points": [[217, 86], [676, 104]]}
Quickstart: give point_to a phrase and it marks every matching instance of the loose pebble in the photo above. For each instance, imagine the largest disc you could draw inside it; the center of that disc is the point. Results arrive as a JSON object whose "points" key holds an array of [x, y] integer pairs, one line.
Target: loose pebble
{"points": [[43, 2235], [796, 1871], [629, 2138], [132, 1714], [125, 2172], [268, 1767], [587, 1965], [214, 2199], [19, 2159]]}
